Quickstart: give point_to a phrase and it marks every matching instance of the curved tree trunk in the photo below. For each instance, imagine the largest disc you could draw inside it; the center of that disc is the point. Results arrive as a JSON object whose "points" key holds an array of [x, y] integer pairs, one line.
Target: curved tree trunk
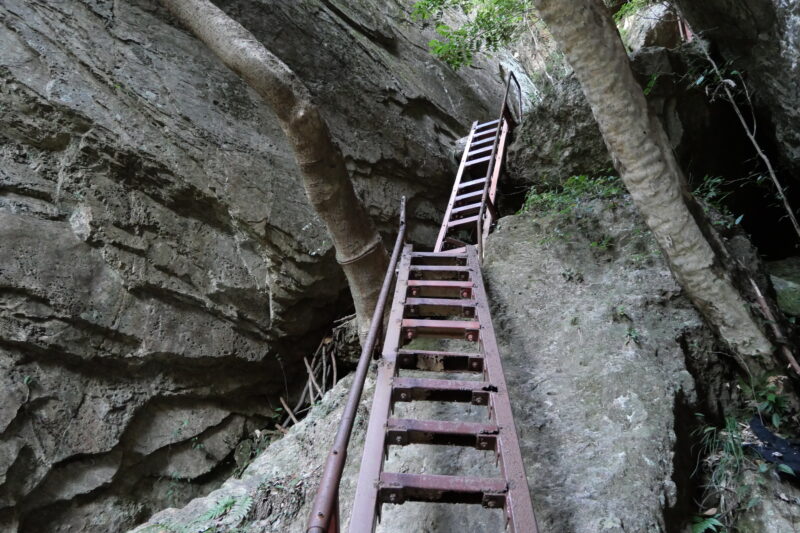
{"points": [[644, 159], [358, 245]]}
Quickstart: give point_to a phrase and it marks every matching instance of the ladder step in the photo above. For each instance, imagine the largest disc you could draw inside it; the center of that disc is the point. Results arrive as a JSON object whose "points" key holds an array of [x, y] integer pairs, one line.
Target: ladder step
{"points": [[397, 488], [485, 124], [485, 149], [490, 133], [479, 161], [473, 183], [404, 431], [460, 329], [433, 361], [463, 221], [440, 307], [481, 142], [455, 272], [441, 390], [464, 209], [439, 288], [477, 195]]}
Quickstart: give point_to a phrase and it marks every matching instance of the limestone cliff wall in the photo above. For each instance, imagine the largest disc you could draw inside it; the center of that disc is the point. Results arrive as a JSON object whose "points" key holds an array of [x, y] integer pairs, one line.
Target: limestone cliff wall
{"points": [[160, 268]]}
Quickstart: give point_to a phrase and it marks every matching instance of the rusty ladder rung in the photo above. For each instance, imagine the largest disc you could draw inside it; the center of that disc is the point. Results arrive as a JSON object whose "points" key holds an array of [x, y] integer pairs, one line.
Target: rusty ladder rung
{"points": [[398, 488], [435, 361], [405, 431]]}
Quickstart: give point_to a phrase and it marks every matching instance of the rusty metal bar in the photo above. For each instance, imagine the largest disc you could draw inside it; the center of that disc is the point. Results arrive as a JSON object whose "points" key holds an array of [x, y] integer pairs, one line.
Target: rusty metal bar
{"points": [[443, 230], [324, 511], [518, 506], [493, 172], [366, 498], [398, 488]]}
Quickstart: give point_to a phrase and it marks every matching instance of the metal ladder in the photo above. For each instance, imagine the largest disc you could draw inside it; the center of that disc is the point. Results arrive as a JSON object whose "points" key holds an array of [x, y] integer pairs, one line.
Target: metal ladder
{"points": [[432, 289], [471, 210], [437, 295]]}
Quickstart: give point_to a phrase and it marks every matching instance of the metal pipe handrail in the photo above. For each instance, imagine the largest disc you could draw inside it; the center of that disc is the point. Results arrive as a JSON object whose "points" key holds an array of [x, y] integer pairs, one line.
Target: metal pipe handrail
{"points": [[322, 511]]}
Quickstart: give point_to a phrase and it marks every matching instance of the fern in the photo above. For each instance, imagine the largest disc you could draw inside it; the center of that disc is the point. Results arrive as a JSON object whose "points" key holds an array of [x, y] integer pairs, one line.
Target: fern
{"points": [[701, 525], [220, 508], [240, 510]]}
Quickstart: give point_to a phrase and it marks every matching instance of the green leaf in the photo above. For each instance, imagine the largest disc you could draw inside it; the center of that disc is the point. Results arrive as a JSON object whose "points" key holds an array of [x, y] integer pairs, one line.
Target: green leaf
{"points": [[700, 80], [776, 420], [786, 469], [702, 525], [738, 220], [762, 468]]}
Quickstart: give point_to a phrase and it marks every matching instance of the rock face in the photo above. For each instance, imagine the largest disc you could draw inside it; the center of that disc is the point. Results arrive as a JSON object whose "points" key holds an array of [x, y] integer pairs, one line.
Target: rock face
{"points": [[161, 269], [654, 25], [596, 349], [785, 276], [761, 38], [558, 139]]}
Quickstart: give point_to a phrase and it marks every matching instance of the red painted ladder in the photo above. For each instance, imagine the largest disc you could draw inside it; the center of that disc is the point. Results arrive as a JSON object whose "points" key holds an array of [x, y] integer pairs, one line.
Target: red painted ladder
{"points": [[438, 295], [441, 296]]}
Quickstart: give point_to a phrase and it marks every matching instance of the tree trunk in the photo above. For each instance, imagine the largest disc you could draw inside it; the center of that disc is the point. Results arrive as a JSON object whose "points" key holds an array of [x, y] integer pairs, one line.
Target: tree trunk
{"points": [[358, 245], [644, 159]]}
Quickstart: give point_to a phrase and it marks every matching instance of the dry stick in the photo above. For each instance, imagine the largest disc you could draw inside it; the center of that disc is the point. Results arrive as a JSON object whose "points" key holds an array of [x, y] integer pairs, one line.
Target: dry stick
{"points": [[288, 411], [775, 329], [333, 368], [751, 135], [324, 366], [311, 377]]}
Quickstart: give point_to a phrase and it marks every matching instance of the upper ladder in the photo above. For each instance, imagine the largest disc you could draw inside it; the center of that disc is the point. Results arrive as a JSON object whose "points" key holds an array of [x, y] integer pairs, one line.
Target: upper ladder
{"points": [[471, 210]]}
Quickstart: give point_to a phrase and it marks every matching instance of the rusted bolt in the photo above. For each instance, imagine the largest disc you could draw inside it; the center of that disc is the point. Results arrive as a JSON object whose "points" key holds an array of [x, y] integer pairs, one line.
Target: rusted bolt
{"points": [[484, 444], [403, 396], [474, 364], [491, 503], [414, 291], [409, 334], [465, 293], [478, 399], [471, 337], [398, 439], [392, 497]]}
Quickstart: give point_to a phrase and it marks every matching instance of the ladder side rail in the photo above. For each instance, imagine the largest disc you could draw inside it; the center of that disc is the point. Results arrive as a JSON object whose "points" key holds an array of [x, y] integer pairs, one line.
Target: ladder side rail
{"points": [[489, 173], [365, 504], [324, 516], [505, 121], [518, 508], [491, 214], [461, 168]]}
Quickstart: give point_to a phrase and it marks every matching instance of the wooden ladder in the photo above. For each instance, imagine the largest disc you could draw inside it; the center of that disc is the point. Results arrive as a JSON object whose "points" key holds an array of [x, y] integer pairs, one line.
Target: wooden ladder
{"points": [[441, 296]]}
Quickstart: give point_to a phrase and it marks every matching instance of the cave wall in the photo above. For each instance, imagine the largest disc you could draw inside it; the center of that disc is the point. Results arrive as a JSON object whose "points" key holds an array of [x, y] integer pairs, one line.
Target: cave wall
{"points": [[762, 39], [160, 269]]}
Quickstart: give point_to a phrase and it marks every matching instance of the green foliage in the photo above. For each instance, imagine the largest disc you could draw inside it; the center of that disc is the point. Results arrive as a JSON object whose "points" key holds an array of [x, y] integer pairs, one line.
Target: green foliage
{"points": [[766, 395], [575, 190], [490, 25], [604, 243], [651, 83], [633, 336], [630, 7], [224, 515], [701, 524], [710, 191]]}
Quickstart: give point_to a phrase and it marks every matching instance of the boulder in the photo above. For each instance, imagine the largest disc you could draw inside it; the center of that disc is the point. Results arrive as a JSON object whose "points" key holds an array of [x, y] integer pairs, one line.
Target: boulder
{"points": [[785, 276], [652, 25], [597, 343]]}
